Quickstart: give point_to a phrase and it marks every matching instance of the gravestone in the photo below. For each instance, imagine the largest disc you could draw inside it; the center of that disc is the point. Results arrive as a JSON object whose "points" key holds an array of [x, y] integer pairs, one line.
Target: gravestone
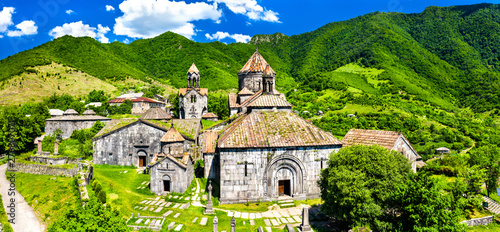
{"points": [[305, 220], [209, 209], [290, 228], [233, 225], [171, 225], [215, 223], [260, 229]]}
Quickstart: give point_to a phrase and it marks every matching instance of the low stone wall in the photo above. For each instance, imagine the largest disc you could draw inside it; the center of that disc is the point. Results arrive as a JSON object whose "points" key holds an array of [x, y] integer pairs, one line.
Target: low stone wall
{"points": [[45, 170], [49, 160], [479, 221]]}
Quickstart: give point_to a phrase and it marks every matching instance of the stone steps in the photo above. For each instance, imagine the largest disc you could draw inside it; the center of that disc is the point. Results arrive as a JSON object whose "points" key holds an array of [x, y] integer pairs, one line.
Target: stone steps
{"points": [[492, 205]]}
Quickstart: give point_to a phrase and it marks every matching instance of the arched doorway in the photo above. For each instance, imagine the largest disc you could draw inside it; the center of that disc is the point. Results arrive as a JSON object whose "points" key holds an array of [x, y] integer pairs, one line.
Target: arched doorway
{"points": [[166, 181], [142, 158], [285, 176]]}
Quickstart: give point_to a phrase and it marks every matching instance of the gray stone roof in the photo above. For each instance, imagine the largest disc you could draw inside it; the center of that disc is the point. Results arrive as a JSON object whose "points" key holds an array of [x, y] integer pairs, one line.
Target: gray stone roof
{"points": [[79, 118], [70, 112]]}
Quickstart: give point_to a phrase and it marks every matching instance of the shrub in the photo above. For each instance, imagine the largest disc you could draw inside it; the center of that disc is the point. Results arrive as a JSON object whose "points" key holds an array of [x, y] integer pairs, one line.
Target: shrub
{"points": [[102, 196]]}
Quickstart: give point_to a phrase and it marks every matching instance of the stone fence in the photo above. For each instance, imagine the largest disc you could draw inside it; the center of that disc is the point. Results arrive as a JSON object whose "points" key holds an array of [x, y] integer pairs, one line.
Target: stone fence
{"points": [[49, 160], [479, 221], [39, 169]]}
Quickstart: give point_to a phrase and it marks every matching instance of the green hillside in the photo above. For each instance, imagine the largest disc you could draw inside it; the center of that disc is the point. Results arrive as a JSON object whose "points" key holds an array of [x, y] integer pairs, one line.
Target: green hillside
{"points": [[447, 56]]}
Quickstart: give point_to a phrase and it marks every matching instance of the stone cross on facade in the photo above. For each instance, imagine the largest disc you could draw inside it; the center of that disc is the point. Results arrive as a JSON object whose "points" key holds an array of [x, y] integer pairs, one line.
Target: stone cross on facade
{"points": [[215, 223], [233, 225], [56, 148], [39, 146], [305, 220], [209, 209]]}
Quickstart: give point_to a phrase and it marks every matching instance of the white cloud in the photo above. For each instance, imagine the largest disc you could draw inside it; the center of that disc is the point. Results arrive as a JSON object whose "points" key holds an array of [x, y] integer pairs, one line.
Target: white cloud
{"points": [[1, 36], [25, 28], [6, 18], [126, 41], [78, 29], [109, 8], [222, 35], [251, 9], [70, 12], [149, 18]]}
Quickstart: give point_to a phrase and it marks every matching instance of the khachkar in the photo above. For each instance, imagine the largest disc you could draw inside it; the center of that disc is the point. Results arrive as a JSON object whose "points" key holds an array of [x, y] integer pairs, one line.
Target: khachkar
{"points": [[215, 223], [305, 220], [209, 209]]}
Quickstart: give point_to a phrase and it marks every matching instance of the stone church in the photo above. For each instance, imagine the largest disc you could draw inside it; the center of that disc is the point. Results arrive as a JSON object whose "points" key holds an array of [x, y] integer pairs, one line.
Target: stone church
{"points": [[193, 99], [266, 152]]}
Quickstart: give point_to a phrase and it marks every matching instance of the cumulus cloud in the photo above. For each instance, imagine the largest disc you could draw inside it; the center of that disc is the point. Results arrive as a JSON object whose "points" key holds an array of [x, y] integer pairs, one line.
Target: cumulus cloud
{"points": [[149, 18], [78, 29], [109, 8], [25, 28], [251, 9], [222, 35], [6, 18], [70, 12]]}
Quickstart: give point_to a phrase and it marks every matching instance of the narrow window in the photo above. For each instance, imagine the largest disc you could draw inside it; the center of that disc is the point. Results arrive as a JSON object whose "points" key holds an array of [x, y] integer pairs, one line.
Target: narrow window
{"points": [[321, 163], [246, 173]]}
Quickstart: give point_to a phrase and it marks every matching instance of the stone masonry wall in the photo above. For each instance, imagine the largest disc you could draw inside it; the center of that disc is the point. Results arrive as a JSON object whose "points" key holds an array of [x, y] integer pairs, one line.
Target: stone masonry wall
{"points": [[67, 126], [45, 170], [180, 178], [479, 221], [193, 110], [300, 165], [124, 146], [49, 160], [402, 146]]}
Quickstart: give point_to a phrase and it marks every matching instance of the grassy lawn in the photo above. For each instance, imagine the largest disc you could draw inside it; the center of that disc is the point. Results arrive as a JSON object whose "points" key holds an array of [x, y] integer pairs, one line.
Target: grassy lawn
{"points": [[50, 196], [4, 218]]}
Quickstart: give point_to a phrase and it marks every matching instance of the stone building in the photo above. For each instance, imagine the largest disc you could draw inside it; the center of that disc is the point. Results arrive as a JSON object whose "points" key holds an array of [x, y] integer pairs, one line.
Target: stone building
{"points": [[266, 152], [193, 99], [156, 114], [139, 104], [210, 116], [174, 171], [392, 140], [137, 141], [71, 121]]}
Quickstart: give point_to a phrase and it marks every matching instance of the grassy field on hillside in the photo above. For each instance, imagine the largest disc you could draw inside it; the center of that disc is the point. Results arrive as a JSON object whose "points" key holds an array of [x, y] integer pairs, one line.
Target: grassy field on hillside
{"points": [[49, 196]]}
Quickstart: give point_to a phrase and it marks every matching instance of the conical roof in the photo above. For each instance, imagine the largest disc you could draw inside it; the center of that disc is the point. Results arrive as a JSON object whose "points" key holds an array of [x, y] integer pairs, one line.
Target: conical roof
{"points": [[172, 135], [70, 112], [156, 114], [89, 112], [245, 91], [268, 71], [256, 64], [193, 69]]}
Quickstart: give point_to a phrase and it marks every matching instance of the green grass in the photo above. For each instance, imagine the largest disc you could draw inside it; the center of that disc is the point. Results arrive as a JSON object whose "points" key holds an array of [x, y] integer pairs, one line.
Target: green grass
{"points": [[49, 196], [495, 226], [4, 219]]}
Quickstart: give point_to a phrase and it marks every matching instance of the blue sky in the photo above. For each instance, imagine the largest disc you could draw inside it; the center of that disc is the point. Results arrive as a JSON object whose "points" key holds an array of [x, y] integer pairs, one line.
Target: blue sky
{"points": [[27, 24]]}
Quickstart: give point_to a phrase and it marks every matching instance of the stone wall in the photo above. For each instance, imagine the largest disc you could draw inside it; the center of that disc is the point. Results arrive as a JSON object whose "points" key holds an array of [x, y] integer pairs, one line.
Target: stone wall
{"points": [[265, 167], [68, 126], [212, 166], [402, 146], [479, 221], [49, 160], [124, 146], [190, 109], [180, 177], [45, 170]]}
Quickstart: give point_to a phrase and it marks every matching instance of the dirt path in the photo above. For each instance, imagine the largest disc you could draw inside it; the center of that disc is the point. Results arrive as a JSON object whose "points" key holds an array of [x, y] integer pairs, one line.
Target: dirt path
{"points": [[25, 218]]}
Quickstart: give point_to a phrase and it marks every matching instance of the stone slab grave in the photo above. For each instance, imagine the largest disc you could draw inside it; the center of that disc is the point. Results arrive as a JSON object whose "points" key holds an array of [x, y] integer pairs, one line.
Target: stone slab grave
{"points": [[168, 204], [194, 220], [237, 214], [156, 199], [289, 227], [283, 220], [268, 229], [175, 197], [163, 204], [176, 205], [143, 182], [230, 213], [147, 222], [258, 215], [177, 215], [145, 208], [135, 207], [171, 225], [290, 220], [185, 206], [276, 214], [151, 209], [168, 213], [159, 209], [252, 222], [274, 222], [153, 202], [152, 222], [244, 215], [187, 198], [251, 216], [158, 222], [158, 203], [284, 213], [203, 221], [297, 218], [142, 202], [138, 221], [178, 228], [268, 214], [268, 223]]}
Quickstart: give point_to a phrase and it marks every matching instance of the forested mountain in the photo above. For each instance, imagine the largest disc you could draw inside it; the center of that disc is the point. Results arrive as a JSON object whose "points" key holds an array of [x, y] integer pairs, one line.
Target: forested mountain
{"points": [[445, 55]]}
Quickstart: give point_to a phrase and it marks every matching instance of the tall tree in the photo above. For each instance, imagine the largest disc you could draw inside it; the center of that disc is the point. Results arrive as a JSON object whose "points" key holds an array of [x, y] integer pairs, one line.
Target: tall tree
{"points": [[488, 157]]}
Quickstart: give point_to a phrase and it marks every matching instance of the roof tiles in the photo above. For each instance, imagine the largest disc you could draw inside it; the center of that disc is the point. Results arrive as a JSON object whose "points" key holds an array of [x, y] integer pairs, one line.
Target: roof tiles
{"points": [[172, 135], [156, 114], [256, 64], [385, 139], [273, 129], [193, 69], [209, 141], [202, 91], [269, 101]]}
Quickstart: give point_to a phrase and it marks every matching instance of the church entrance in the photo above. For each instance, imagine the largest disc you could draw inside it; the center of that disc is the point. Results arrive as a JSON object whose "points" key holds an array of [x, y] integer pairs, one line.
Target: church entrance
{"points": [[284, 187], [166, 186]]}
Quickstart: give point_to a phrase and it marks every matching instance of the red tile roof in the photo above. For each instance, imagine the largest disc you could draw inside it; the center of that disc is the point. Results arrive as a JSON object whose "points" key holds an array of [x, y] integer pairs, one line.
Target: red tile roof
{"points": [[256, 64], [268, 71], [145, 99], [232, 101], [193, 69], [273, 129], [209, 141], [117, 100], [385, 139], [202, 91], [245, 91], [209, 115]]}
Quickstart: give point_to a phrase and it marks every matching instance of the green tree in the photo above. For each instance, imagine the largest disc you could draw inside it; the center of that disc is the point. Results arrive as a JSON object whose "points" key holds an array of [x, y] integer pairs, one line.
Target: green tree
{"points": [[97, 96], [358, 182], [488, 158]]}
